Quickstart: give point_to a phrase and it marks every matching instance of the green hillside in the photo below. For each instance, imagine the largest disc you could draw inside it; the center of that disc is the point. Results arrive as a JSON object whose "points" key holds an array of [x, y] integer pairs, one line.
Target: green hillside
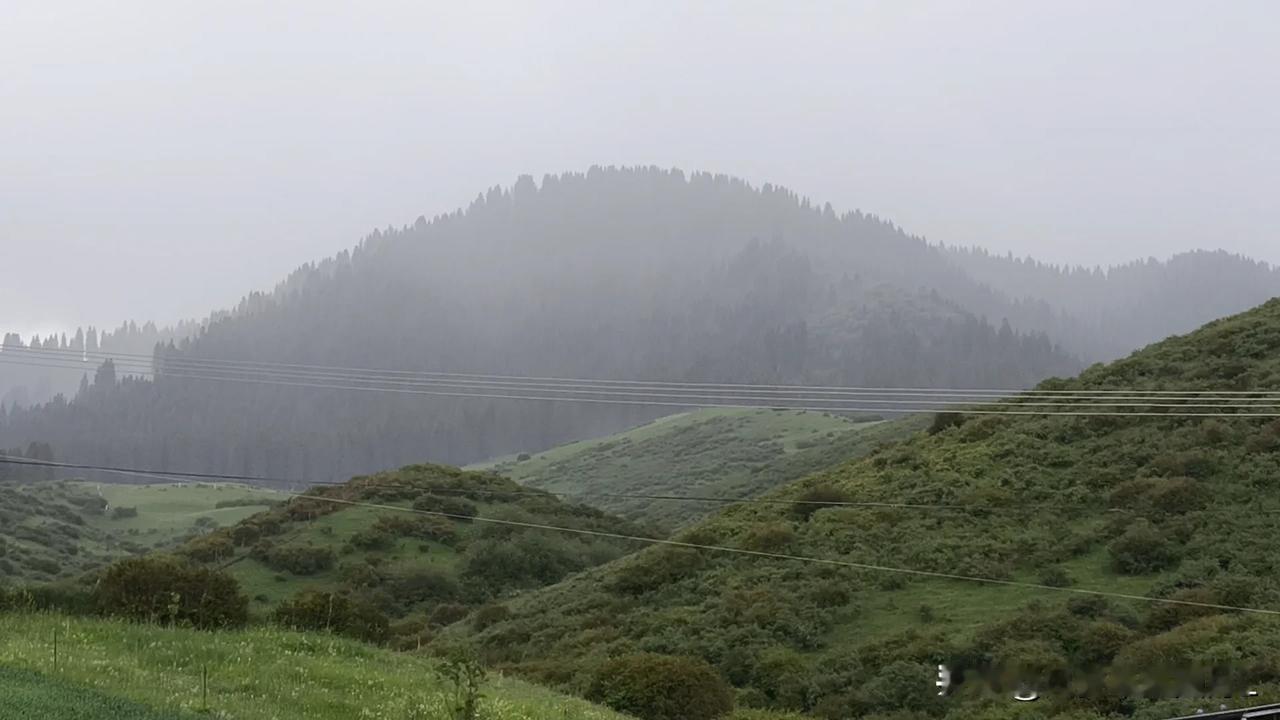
{"points": [[1175, 508], [29, 696], [105, 667], [710, 453], [425, 570], [60, 530]]}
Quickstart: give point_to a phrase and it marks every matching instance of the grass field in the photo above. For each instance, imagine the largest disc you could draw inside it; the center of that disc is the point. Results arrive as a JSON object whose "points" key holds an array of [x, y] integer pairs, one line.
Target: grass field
{"points": [[170, 511], [733, 453], [59, 530], [30, 696], [261, 674]]}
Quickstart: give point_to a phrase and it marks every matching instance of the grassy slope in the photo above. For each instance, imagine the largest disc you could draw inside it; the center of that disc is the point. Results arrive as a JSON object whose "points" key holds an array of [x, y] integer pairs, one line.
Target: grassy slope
{"points": [[29, 696], [384, 571], [1062, 493], [712, 452], [264, 674], [169, 512], [48, 531]]}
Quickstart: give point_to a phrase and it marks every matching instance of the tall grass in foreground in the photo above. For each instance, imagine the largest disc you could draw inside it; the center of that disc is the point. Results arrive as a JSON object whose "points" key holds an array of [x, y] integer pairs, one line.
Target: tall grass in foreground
{"points": [[261, 673]]}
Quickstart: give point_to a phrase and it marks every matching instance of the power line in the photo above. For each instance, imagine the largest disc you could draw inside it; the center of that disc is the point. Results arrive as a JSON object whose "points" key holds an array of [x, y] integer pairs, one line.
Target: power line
{"points": [[739, 405], [690, 393], [593, 390], [349, 371]]}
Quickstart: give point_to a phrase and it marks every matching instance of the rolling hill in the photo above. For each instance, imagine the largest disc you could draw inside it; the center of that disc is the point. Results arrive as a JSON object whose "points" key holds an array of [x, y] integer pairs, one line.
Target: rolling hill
{"points": [[424, 571], [1180, 510], [124, 671], [60, 530], [714, 453]]}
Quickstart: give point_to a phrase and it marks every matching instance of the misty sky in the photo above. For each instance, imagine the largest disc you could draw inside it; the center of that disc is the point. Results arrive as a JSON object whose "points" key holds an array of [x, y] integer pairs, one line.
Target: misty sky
{"points": [[160, 159]]}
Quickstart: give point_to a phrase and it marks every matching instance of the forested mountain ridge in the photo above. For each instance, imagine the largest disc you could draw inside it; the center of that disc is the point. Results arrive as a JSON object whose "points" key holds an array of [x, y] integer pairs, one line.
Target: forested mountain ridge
{"points": [[1141, 301], [29, 384], [1174, 508], [636, 273], [615, 273]]}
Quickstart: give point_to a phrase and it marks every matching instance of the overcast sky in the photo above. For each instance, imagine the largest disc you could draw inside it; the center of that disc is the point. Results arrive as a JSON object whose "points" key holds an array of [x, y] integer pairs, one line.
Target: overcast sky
{"points": [[160, 159]]}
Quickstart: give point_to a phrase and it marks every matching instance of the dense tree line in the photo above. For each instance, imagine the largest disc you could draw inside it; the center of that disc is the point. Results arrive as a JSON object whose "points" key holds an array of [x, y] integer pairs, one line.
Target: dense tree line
{"points": [[30, 384], [1104, 313], [615, 273]]}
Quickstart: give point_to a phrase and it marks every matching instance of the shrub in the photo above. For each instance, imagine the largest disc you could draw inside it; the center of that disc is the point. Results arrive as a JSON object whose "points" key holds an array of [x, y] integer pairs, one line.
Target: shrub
{"points": [[359, 575], [372, 539], [488, 616], [460, 507], [769, 537], [654, 568], [662, 687], [171, 591], [531, 559], [464, 675], [210, 548], [63, 597], [447, 614], [1055, 576], [333, 612], [522, 457], [297, 559], [817, 498], [422, 527], [1141, 549], [899, 686], [123, 513], [945, 421], [425, 584]]}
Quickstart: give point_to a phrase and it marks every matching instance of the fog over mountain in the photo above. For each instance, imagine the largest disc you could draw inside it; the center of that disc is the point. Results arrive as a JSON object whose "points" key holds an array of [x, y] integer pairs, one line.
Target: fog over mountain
{"points": [[162, 159], [615, 273]]}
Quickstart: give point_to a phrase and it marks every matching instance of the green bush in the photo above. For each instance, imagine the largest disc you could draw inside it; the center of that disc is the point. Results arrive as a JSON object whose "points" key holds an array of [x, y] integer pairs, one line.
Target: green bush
{"points": [[1141, 549], [333, 612], [662, 687], [169, 590], [769, 537], [817, 498], [459, 507], [63, 597], [297, 559], [372, 539], [488, 616], [422, 527], [945, 420], [123, 513], [1055, 576], [654, 568], [425, 584], [210, 548]]}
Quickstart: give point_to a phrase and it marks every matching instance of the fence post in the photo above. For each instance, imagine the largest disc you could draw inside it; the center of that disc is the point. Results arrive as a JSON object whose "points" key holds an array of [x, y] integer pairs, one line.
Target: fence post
{"points": [[204, 689]]}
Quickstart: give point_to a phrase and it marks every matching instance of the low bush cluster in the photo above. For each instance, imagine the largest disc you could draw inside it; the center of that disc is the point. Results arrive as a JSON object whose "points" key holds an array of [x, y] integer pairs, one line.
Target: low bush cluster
{"points": [[170, 590]]}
